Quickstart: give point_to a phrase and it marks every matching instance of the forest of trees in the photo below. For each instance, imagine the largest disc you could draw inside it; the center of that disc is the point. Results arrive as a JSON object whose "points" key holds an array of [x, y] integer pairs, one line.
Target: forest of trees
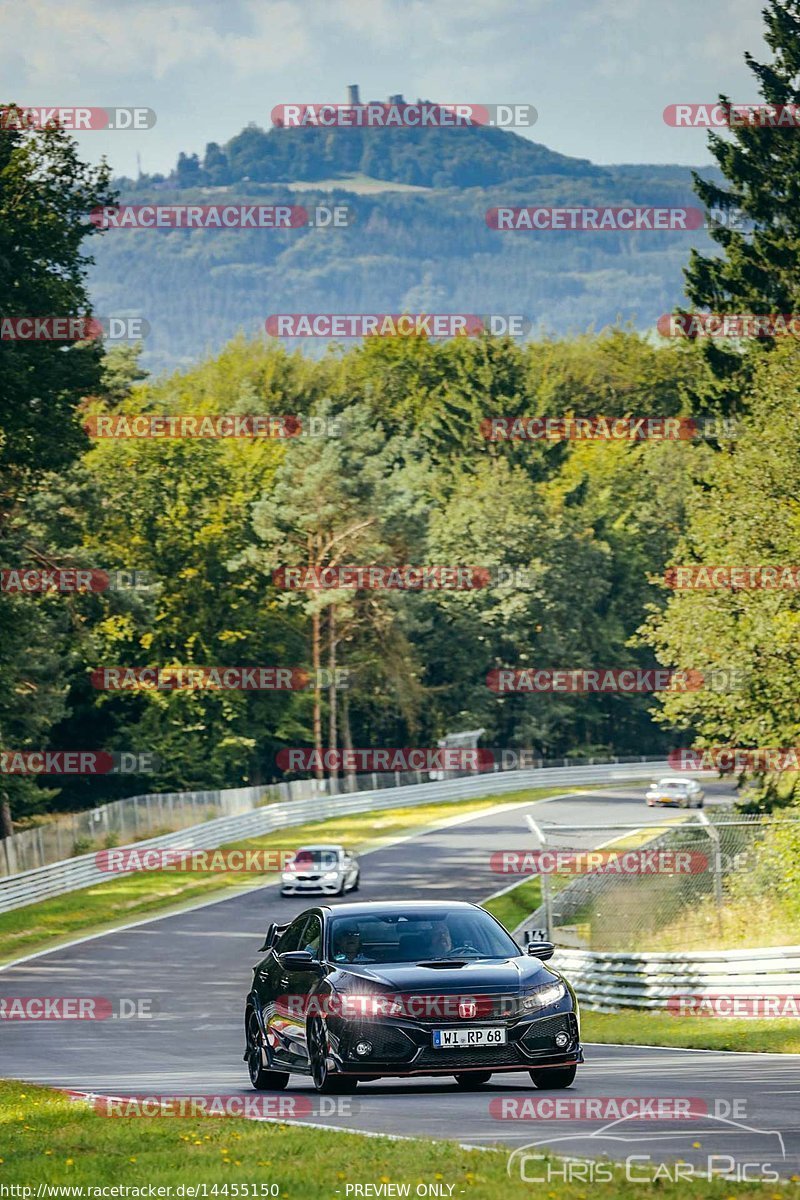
{"points": [[591, 526]]}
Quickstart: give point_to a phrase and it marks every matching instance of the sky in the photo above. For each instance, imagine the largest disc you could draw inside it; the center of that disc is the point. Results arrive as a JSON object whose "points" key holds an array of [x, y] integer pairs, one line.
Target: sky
{"points": [[599, 72]]}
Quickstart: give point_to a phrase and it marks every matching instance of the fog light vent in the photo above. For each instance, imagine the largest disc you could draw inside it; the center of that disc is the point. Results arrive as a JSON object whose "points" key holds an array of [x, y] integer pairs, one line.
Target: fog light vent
{"points": [[363, 1049], [562, 1040]]}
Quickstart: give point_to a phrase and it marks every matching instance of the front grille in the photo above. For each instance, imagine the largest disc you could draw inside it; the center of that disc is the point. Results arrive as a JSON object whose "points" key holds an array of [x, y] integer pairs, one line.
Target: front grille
{"points": [[437, 1009], [541, 1035], [475, 1056]]}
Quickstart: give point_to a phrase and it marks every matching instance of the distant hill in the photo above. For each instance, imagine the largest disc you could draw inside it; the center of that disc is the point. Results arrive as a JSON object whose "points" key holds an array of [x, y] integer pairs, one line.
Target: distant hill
{"points": [[409, 250]]}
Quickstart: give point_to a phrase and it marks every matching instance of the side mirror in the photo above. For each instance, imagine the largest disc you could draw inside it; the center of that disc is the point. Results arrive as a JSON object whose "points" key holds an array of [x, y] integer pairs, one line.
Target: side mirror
{"points": [[269, 937], [299, 960], [541, 950]]}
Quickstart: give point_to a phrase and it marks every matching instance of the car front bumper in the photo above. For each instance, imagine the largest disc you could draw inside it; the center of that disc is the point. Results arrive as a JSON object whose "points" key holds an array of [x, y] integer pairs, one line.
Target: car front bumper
{"points": [[311, 887], [402, 1047]]}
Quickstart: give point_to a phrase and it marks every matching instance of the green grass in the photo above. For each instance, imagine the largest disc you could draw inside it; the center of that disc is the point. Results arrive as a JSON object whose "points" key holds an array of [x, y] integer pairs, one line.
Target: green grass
{"points": [[46, 1138], [140, 894], [525, 897], [514, 906], [632, 1027]]}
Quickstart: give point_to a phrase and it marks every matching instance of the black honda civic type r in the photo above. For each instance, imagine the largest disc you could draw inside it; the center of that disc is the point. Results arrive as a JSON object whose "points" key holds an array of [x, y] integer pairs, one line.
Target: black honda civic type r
{"points": [[357, 992]]}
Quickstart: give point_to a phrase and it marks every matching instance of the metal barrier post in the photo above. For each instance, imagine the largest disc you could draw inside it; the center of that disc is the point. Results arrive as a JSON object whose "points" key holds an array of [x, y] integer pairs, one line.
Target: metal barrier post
{"points": [[547, 898]]}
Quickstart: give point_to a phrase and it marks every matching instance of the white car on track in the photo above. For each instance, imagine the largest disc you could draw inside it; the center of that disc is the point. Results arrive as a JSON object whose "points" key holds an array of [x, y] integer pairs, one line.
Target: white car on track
{"points": [[683, 793], [328, 870]]}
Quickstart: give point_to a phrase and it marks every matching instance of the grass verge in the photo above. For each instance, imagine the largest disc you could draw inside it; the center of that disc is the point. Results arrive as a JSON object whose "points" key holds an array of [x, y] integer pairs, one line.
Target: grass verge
{"points": [[45, 1138], [100, 908], [632, 1027], [513, 906]]}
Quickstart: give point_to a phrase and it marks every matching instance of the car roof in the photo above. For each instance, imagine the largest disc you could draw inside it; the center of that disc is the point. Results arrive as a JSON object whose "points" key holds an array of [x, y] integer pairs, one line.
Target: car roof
{"points": [[319, 846], [671, 780], [364, 908]]}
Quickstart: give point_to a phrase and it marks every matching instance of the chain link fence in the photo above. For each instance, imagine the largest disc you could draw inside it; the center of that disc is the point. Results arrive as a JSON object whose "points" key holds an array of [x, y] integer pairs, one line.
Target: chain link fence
{"points": [[140, 817], [716, 878]]}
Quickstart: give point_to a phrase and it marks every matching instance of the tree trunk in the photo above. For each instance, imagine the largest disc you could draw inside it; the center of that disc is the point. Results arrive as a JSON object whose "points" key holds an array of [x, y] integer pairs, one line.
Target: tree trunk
{"points": [[332, 712], [6, 824], [347, 742], [315, 663]]}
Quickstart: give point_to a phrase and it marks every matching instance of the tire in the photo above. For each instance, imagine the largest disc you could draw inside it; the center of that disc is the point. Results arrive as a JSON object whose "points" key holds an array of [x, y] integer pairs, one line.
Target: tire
{"points": [[261, 1079], [326, 1082], [355, 886], [473, 1079], [554, 1077]]}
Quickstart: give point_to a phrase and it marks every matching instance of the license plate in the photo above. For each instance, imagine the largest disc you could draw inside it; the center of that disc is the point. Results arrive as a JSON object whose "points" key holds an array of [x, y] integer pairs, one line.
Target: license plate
{"points": [[446, 1039]]}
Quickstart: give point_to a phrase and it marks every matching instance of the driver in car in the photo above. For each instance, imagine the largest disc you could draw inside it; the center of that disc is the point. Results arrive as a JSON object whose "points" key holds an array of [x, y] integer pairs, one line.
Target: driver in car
{"points": [[442, 943], [348, 946]]}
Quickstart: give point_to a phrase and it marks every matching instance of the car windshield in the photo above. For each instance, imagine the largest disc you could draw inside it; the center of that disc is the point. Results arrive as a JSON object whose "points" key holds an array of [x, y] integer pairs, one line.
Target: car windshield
{"points": [[407, 935], [672, 784], [316, 858]]}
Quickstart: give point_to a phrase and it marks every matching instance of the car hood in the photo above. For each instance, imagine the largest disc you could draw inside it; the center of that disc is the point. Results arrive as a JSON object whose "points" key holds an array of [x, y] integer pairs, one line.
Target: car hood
{"points": [[510, 975]]}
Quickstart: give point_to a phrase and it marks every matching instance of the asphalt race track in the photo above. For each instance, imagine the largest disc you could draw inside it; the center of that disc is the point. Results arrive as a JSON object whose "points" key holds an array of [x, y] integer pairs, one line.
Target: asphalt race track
{"points": [[195, 969]]}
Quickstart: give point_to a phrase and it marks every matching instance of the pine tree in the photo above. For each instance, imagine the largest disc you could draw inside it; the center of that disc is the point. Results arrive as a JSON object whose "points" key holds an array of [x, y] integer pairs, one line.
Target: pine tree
{"points": [[758, 269]]}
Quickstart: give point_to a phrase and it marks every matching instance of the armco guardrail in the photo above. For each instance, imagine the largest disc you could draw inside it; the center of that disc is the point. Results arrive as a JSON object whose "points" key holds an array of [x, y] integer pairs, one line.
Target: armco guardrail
{"points": [[80, 872], [608, 981]]}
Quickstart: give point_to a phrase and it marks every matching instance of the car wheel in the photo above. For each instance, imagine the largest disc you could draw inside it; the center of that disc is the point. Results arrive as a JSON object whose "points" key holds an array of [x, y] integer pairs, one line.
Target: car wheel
{"points": [[554, 1077], [473, 1079], [261, 1079], [325, 1081]]}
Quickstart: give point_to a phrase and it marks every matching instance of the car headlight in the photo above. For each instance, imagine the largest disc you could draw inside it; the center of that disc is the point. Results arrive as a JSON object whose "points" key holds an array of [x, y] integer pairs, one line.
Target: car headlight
{"points": [[541, 997], [360, 1005], [287, 876], [330, 876]]}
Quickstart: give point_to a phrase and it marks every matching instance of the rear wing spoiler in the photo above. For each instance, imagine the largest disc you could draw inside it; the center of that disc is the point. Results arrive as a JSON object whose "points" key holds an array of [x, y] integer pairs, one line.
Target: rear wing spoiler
{"points": [[273, 933]]}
